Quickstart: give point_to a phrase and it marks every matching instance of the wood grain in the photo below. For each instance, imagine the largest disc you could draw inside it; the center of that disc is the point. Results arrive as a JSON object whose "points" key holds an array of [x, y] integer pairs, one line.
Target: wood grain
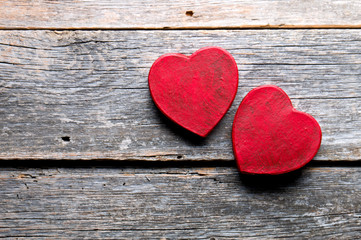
{"points": [[141, 14], [90, 87], [178, 203]]}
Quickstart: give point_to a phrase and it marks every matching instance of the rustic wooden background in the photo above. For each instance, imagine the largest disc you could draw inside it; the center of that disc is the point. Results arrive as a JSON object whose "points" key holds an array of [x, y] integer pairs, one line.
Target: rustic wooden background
{"points": [[84, 153]]}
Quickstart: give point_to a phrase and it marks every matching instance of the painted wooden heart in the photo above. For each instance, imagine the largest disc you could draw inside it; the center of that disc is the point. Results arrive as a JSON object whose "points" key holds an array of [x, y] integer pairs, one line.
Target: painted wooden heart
{"points": [[196, 91], [270, 136]]}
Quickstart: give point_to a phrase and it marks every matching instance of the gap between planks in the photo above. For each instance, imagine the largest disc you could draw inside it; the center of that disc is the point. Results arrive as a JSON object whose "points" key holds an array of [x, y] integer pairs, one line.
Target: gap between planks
{"points": [[242, 27], [150, 164]]}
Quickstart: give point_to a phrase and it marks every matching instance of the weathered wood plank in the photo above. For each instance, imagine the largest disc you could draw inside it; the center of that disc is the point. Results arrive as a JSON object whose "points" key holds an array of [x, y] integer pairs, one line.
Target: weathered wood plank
{"points": [[91, 86], [141, 14], [179, 203]]}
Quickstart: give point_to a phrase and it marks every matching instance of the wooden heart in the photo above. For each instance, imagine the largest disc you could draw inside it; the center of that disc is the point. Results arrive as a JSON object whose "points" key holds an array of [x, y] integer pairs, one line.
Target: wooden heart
{"points": [[271, 137], [196, 91]]}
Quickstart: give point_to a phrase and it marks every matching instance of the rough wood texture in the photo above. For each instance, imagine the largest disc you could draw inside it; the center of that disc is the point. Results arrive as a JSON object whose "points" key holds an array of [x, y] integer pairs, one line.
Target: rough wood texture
{"points": [[141, 14], [178, 203], [84, 94]]}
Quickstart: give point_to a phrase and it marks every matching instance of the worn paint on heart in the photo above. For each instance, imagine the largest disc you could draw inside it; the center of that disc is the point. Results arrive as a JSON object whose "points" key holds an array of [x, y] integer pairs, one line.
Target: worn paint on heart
{"points": [[196, 91], [270, 136]]}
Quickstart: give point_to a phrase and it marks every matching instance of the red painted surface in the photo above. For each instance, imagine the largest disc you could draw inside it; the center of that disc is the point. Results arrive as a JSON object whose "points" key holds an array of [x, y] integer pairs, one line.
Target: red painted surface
{"points": [[270, 136], [196, 91]]}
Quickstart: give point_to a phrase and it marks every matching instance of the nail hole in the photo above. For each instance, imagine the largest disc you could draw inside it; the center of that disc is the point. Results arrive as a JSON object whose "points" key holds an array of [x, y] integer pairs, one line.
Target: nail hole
{"points": [[179, 157], [189, 13], [65, 139]]}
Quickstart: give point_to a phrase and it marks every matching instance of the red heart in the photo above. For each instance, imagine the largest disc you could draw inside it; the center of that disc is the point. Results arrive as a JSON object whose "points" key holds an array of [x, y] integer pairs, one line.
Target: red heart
{"points": [[196, 91], [270, 136]]}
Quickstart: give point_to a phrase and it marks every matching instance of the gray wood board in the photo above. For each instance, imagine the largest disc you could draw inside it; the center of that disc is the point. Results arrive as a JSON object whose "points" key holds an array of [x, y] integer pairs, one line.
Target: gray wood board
{"points": [[91, 86], [178, 203], [140, 14]]}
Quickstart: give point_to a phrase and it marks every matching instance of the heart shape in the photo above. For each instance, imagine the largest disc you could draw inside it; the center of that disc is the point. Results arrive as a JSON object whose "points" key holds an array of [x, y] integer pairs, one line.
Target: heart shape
{"points": [[271, 137], [196, 91]]}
